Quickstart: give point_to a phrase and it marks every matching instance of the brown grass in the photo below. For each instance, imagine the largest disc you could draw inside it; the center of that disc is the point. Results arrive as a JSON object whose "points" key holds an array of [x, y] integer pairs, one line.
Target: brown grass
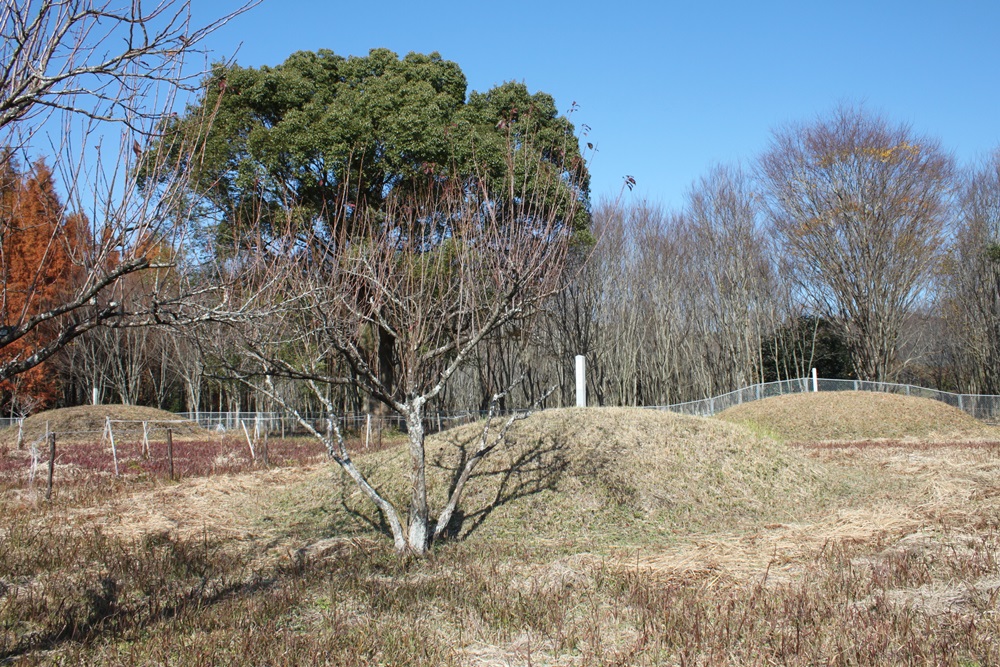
{"points": [[885, 554], [857, 415], [86, 423], [599, 477]]}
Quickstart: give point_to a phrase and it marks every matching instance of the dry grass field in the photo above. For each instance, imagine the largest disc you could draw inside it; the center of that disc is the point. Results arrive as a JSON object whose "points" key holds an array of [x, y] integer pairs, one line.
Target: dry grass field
{"points": [[597, 537], [86, 423], [858, 415]]}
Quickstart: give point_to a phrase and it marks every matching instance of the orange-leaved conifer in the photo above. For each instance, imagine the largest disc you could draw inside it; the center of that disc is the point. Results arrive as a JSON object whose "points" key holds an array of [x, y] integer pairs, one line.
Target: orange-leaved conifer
{"points": [[40, 265]]}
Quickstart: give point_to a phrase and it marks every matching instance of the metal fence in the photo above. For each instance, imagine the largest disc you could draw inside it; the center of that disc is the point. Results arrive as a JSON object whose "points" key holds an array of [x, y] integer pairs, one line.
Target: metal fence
{"points": [[357, 422], [980, 406]]}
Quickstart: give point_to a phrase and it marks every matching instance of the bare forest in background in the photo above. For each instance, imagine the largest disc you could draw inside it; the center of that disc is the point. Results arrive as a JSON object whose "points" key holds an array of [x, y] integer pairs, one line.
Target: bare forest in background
{"points": [[850, 245], [339, 235], [667, 306]]}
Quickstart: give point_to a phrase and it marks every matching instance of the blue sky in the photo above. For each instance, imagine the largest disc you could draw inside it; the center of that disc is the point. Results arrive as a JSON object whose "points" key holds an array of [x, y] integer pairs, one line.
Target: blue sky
{"points": [[670, 89]]}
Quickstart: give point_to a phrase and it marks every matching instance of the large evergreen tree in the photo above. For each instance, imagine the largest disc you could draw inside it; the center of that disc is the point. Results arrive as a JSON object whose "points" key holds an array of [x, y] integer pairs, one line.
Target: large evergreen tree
{"points": [[321, 133]]}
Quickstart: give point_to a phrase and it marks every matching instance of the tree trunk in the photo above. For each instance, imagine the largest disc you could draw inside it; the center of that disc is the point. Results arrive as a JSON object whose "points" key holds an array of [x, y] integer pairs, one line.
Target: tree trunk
{"points": [[419, 528]]}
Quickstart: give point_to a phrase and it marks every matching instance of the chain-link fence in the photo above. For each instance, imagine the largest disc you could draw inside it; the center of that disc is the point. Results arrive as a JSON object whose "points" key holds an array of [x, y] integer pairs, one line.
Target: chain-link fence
{"points": [[278, 423], [980, 406]]}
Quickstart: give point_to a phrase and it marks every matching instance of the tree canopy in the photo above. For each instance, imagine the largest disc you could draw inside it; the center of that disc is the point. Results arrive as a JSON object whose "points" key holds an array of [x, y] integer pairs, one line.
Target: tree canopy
{"points": [[40, 250], [860, 205], [321, 132]]}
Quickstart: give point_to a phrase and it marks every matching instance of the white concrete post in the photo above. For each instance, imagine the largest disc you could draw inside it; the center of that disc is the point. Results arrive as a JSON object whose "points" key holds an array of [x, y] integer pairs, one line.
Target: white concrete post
{"points": [[95, 396], [815, 381], [581, 381]]}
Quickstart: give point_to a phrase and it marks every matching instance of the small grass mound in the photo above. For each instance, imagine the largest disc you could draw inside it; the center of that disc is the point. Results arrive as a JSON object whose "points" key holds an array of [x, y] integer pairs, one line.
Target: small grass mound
{"points": [[86, 423], [857, 415], [601, 476]]}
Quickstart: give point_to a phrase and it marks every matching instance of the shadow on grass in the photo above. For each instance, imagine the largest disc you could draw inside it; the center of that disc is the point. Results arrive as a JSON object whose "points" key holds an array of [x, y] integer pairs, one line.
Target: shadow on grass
{"points": [[534, 468], [376, 523], [519, 471]]}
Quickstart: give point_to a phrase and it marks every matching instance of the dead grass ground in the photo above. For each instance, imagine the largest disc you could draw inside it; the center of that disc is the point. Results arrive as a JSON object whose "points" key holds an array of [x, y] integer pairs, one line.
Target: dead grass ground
{"points": [[86, 423], [921, 490], [871, 552], [857, 415], [598, 477]]}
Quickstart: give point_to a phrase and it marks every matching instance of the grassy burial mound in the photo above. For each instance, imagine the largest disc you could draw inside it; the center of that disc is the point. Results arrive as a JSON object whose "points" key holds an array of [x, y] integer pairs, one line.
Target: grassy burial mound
{"points": [[601, 475], [857, 415], [86, 423]]}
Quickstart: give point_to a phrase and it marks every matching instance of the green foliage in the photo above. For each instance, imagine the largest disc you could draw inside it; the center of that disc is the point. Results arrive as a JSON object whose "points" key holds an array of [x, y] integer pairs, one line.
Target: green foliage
{"points": [[320, 136], [993, 252]]}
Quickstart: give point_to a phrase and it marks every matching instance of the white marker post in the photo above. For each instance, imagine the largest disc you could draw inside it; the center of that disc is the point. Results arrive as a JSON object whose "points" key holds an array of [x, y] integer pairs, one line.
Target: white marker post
{"points": [[815, 382], [581, 381]]}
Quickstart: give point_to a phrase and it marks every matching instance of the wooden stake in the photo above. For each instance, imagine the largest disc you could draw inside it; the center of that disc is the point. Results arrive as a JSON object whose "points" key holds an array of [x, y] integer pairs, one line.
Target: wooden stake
{"points": [[368, 430], [111, 436], [170, 451], [52, 464], [253, 455]]}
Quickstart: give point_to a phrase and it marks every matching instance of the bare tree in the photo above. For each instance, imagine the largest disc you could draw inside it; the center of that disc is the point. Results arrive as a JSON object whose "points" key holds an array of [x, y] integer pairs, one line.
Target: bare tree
{"points": [[90, 83], [859, 206], [96, 58], [436, 272], [972, 278], [670, 307], [729, 270]]}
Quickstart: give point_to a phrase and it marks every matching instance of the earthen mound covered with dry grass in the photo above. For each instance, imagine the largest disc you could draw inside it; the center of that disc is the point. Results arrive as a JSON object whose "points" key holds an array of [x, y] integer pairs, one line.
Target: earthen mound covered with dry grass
{"points": [[601, 475], [857, 415], [86, 423]]}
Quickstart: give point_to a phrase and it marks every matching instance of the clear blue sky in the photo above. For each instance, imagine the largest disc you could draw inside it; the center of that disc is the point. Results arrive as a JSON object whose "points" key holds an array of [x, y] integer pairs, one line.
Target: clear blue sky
{"points": [[671, 88]]}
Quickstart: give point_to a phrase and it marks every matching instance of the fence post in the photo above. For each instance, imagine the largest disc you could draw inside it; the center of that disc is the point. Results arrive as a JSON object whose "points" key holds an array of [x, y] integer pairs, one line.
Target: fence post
{"points": [[20, 433], [581, 381], [961, 403], [52, 464], [111, 436], [170, 452], [368, 430], [815, 382]]}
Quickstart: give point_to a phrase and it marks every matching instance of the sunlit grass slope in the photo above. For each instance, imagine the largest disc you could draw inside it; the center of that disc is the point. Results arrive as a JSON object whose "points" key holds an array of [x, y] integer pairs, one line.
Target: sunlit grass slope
{"points": [[857, 415], [595, 475], [86, 423]]}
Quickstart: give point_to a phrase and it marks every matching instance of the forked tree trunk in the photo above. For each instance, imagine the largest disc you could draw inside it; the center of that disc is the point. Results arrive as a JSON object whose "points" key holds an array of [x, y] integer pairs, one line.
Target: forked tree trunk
{"points": [[419, 538]]}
